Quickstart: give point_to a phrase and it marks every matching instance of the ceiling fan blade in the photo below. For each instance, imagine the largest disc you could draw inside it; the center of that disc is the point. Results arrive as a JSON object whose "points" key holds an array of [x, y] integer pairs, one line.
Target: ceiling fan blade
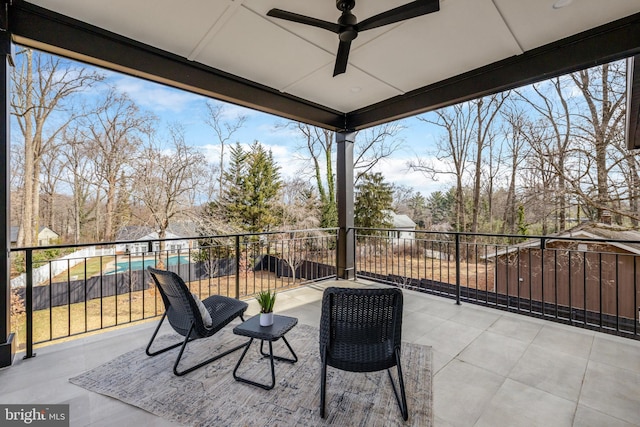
{"points": [[302, 19], [342, 58], [400, 13]]}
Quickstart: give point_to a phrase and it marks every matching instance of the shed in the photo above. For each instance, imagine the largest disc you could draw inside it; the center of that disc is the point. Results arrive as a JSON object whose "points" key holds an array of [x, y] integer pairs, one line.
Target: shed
{"points": [[592, 267]]}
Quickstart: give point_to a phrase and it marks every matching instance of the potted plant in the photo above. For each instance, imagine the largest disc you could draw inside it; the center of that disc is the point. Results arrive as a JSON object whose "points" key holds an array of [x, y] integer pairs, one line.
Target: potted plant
{"points": [[266, 299]]}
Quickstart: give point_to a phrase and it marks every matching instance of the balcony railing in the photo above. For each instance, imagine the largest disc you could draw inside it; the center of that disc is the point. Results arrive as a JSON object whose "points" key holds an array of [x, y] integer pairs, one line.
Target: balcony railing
{"points": [[98, 286], [591, 283]]}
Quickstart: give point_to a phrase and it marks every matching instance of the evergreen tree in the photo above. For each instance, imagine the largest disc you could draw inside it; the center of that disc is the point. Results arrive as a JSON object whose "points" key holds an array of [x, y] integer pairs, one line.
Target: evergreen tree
{"points": [[262, 184], [232, 202], [442, 206], [418, 209], [251, 185], [373, 198]]}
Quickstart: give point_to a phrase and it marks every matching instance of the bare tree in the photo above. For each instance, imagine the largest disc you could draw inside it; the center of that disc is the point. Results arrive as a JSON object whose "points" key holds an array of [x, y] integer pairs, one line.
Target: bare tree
{"points": [[52, 169], [79, 176], [164, 179], [452, 151], [319, 146], [539, 178], [486, 111], [516, 122], [293, 252], [42, 85], [604, 93], [553, 144], [371, 146], [298, 205], [115, 133], [224, 131]]}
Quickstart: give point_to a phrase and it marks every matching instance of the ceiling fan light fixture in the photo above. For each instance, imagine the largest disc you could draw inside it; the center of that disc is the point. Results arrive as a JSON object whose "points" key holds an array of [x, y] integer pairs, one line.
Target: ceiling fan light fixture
{"points": [[559, 4], [348, 27]]}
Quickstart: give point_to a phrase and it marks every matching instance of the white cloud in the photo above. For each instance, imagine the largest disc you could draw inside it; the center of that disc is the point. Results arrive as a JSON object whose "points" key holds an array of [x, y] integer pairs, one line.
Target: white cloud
{"points": [[153, 96], [290, 162], [395, 170]]}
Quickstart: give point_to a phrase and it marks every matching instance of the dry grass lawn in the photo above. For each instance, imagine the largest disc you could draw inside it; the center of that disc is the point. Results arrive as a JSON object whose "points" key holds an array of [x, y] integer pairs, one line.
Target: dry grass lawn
{"points": [[93, 315]]}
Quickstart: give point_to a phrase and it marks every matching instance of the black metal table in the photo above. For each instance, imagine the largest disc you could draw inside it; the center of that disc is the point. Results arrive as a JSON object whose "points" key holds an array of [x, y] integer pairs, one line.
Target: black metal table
{"points": [[252, 329]]}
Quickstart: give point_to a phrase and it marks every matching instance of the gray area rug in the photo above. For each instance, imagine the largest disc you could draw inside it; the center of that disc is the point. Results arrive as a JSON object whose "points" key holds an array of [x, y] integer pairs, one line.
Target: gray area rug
{"points": [[210, 396]]}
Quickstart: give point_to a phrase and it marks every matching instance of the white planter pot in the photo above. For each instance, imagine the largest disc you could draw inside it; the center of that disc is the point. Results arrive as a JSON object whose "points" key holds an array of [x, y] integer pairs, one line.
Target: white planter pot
{"points": [[266, 319]]}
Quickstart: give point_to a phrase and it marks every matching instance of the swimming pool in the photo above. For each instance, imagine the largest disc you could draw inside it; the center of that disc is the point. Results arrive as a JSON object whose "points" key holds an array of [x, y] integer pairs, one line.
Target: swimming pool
{"points": [[139, 264]]}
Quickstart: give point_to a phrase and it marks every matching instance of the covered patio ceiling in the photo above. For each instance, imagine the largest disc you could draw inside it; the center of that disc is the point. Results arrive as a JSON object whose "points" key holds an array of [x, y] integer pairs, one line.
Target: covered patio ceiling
{"points": [[231, 50]]}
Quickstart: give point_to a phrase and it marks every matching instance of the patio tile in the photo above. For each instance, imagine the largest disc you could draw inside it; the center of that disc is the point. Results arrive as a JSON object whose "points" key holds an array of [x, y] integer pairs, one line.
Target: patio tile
{"points": [[443, 308], [516, 404], [308, 314], [494, 352], [462, 391], [575, 341], [439, 422], [440, 360], [552, 371], [612, 390], [517, 328], [308, 295], [450, 337], [469, 365], [587, 417], [414, 301], [416, 325], [479, 318], [104, 411], [620, 352]]}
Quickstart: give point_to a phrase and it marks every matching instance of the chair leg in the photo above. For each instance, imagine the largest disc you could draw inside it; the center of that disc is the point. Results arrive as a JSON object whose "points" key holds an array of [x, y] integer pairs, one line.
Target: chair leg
{"points": [[402, 399], [184, 345], [206, 362], [323, 386], [153, 337]]}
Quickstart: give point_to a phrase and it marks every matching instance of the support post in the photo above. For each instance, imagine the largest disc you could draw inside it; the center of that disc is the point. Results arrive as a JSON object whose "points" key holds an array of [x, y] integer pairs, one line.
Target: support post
{"points": [[237, 292], [7, 344], [344, 199]]}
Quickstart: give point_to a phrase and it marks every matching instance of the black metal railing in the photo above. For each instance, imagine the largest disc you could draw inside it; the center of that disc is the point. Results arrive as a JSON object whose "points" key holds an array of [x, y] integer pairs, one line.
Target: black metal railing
{"points": [[586, 282], [590, 283], [67, 290]]}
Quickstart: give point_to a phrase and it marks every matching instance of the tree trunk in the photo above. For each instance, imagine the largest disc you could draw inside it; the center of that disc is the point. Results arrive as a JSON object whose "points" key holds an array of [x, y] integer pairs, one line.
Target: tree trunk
{"points": [[478, 171]]}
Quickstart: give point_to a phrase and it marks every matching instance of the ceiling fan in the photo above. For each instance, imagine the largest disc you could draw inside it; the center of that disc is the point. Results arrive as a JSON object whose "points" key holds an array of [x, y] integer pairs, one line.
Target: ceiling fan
{"points": [[348, 26]]}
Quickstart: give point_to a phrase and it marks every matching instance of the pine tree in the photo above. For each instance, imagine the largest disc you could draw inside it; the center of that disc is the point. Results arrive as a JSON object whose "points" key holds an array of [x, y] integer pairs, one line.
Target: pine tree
{"points": [[262, 184], [442, 206], [373, 198], [232, 203], [251, 185]]}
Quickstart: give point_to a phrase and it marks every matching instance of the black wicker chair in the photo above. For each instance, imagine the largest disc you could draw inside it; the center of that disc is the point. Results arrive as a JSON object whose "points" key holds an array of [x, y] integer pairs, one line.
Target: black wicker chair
{"points": [[360, 331], [184, 315]]}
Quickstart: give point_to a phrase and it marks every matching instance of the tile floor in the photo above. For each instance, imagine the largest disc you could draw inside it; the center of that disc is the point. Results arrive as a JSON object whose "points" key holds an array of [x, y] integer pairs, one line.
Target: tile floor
{"points": [[491, 368]]}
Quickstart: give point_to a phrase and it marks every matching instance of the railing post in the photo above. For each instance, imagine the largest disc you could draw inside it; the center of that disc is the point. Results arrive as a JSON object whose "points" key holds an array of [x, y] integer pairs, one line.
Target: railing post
{"points": [[237, 296], [458, 268], [355, 258], [29, 303]]}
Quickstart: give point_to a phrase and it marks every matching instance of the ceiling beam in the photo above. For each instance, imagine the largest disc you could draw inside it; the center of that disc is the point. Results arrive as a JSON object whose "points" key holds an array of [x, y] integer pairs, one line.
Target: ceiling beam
{"points": [[45, 30], [613, 41]]}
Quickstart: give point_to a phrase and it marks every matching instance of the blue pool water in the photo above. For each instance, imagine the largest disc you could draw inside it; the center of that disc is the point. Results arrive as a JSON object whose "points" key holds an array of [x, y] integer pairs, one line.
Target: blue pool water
{"points": [[139, 264]]}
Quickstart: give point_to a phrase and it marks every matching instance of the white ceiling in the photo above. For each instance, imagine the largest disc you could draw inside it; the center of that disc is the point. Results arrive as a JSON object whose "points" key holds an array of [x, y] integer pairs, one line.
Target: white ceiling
{"points": [[237, 37]]}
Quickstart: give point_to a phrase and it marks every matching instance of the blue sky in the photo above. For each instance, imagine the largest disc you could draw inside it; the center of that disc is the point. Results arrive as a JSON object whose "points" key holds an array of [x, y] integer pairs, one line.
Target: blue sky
{"points": [[173, 105]]}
